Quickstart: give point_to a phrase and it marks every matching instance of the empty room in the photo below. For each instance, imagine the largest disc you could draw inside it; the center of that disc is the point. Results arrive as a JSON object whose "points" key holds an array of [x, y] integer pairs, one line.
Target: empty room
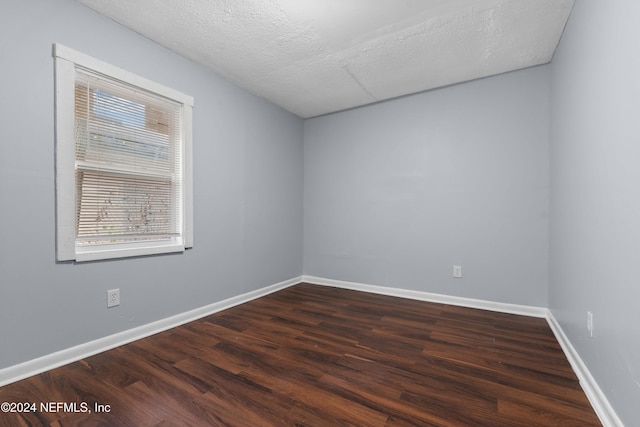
{"points": [[320, 212]]}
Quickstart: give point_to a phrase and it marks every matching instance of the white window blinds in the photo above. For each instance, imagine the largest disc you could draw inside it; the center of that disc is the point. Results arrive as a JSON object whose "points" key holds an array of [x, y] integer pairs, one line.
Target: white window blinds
{"points": [[128, 163], [123, 162]]}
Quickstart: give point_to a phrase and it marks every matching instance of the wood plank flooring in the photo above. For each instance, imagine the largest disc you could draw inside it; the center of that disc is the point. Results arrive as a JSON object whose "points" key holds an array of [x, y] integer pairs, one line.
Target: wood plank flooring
{"points": [[318, 356]]}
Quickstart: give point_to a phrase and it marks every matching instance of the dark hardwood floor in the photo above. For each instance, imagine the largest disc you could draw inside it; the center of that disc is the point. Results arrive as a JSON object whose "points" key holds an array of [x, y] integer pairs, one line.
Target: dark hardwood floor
{"points": [[319, 356]]}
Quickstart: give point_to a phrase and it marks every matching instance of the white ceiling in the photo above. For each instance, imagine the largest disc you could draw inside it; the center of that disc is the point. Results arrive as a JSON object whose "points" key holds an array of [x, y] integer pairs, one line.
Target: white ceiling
{"points": [[314, 57]]}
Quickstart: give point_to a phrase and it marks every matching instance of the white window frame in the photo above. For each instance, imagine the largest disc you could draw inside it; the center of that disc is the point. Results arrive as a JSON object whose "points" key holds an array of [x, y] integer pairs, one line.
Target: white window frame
{"points": [[67, 249]]}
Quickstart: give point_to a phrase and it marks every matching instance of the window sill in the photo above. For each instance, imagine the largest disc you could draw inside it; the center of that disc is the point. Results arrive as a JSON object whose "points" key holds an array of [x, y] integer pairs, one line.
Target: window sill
{"points": [[125, 251]]}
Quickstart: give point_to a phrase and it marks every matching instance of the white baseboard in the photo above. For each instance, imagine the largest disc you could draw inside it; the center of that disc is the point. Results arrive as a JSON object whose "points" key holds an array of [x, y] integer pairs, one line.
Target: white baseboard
{"points": [[598, 400], [596, 397], [73, 354], [524, 310]]}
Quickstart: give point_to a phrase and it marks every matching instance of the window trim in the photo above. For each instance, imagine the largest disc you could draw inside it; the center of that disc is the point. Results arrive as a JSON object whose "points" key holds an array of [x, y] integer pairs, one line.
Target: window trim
{"points": [[66, 60]]}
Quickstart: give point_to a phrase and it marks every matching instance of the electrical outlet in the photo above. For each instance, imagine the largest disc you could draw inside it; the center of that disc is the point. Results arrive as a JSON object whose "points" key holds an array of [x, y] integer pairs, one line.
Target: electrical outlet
{"points": [[457, 271], [590, 324], [113, 297]]}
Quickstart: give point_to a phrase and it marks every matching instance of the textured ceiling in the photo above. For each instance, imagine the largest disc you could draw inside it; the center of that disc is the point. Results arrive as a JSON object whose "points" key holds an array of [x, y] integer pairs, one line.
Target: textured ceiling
{"points": [[314, 57]]}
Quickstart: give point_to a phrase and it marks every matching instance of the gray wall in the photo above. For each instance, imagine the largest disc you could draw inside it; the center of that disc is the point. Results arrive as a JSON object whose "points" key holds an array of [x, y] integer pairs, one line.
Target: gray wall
{"points": [[398, 192], [247, 190], [595, 197]]}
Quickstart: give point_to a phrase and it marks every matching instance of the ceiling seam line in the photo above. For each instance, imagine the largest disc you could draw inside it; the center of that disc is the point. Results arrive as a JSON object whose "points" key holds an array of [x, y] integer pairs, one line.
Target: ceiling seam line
{"points": [[346, 68]]}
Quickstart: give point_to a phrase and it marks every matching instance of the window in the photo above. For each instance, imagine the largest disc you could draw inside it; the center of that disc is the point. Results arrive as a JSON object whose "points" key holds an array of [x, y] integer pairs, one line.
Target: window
{"points": [[123, 162]]}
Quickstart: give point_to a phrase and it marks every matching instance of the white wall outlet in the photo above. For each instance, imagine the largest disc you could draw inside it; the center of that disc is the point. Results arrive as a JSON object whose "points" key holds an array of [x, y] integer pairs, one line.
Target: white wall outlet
{"points": [[113, 297], [590, 324], [457, 271]]}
